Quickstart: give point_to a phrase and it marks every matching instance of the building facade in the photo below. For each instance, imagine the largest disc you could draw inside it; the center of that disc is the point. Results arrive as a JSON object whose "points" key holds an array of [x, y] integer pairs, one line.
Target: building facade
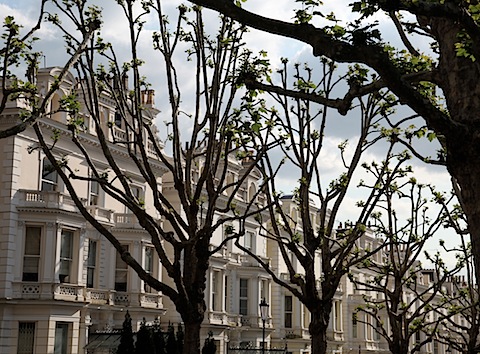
{"points": [[60, 280]]}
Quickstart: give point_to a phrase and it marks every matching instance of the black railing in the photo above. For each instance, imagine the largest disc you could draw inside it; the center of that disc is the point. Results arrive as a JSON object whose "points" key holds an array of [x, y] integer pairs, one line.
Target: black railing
{"points": [[255, 351]]}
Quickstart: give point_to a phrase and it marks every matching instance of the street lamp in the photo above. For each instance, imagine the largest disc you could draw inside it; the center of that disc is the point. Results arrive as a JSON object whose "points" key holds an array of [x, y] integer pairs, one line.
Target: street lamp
{"points": [[264, 313]]}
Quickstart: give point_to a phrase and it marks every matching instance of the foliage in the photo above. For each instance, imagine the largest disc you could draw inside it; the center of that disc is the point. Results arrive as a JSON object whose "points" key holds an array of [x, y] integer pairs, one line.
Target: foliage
{"points": [[407, 307], [144, 342], [17, 54], [196, 161], [126, 345], [209, 346]]}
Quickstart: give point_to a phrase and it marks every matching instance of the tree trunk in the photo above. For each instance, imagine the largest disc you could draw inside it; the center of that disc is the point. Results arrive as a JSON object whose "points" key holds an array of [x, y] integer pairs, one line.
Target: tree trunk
{"points": [[459, 81], [399, 347], [318, 330], [191, 344]]}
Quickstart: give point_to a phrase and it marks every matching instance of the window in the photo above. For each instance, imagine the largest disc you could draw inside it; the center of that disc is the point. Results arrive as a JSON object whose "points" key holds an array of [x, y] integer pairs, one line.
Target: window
{"points": [[378, 331], [216, 287], [435, 347], [225, 294], [230, 183], [31, 258], [118, 120], [306, 317], [243, 306], [138, 195], [354, 326], [66, 256], [49, 176], [148, 266], [338, 316], [249, 240], [121, 272], [288, 313], [369, 327], [252, 191], [61, 338], [264, 293], [91, 262], [26, 338], [94, 197]]}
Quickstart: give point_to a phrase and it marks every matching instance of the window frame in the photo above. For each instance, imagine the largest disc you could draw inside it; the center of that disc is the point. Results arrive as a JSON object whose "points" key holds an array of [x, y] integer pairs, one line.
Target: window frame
{"points": [[26, 340], [66, 258], [243, 298], [121, 271], [288, 311], [36, 256], [91, 264], [62, 330], [150, 269], [47, 184]]}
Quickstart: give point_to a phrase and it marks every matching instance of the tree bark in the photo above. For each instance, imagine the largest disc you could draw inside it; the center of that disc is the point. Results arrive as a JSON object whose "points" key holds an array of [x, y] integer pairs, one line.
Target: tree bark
{"points": [[318, 328], [459, 81], [191, 344]]}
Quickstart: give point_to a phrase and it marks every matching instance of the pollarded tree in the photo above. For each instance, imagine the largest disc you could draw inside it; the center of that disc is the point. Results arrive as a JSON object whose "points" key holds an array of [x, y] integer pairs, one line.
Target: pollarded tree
{"points": [[449, 30], [207, 140], [303, 226], [404, 302], [461, 330]]}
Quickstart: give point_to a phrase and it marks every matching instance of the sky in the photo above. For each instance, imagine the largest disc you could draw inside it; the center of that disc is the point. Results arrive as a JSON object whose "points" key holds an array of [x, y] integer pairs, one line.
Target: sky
{"points": [[26, 12]]}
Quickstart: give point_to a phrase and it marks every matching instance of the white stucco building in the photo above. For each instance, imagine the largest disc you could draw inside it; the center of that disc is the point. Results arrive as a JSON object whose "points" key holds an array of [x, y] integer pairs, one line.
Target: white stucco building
{"points": [[61, 280], [58, 277]]}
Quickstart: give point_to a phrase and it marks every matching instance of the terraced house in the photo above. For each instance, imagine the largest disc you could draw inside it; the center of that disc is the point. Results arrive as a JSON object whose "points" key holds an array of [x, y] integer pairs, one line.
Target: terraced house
{"points": [[61, 281]]}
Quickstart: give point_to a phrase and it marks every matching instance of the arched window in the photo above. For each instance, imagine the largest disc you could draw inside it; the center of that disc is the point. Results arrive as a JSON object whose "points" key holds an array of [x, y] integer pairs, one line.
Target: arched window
{"points": [[252, 190], [55, 106], [230, 181]]}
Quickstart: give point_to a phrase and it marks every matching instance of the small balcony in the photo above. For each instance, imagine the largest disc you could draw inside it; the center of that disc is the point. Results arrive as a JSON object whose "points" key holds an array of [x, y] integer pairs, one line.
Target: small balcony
{"points": [[217, 317], [46, 200], [80, 294], [255, 321], [150, 300], [99, 296], [126, 221], [296, 333], [101, 214], [248, 261]]}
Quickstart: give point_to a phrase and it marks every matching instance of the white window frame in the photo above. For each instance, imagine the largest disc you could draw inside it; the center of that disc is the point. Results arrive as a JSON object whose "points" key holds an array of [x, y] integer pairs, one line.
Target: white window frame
{"points": [[48, 184], [338, 314], [28, 257], [149, 265], [62, 337], [288, 311], [121, 271], [66, 257], [95, 196], [243, 296], [91, 263]]}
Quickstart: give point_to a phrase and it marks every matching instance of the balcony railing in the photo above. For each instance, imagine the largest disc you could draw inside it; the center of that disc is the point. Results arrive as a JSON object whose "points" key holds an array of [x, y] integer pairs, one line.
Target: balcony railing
{"points": [[46, 199], [69, 292], [255, 321], [101, 214], [99, 296], [79, 293], [150, 300], [126, 221]]}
